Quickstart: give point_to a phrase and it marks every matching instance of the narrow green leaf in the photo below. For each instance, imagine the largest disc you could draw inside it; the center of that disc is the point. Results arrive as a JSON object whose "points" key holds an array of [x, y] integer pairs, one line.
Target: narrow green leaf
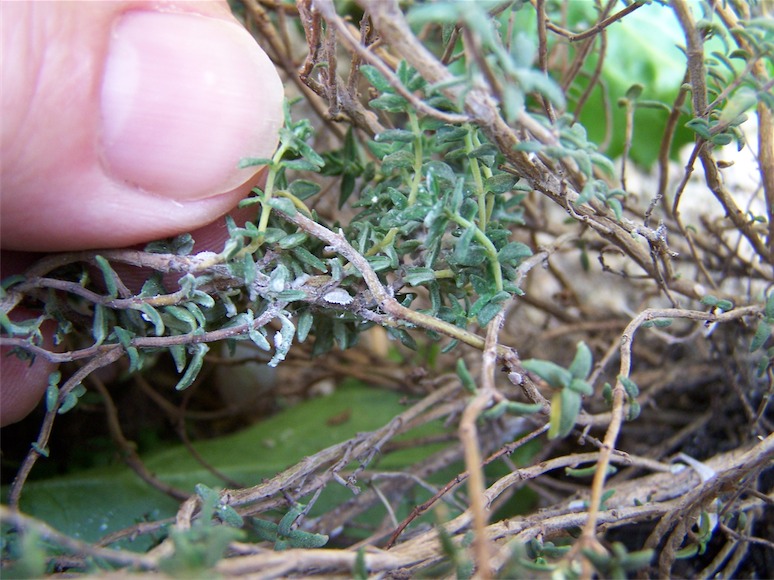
{"points": [[762, 334], [285, 524], [769, 309], [284, 205], [389, 102], [258, 338], [513, 253], [700, 127], [587, 471], [464, 374], [500, 183], [360, 570], [304, 189], [52, 397], [463, 245], [203, 299], [615, 204], [582, 363], [305, 256], [194, 309], [42, 451], [207, 494], [265, 530], [742, 100], [633, 93], [182, 315], [634, 410], [229, 516], [99, 327], [401, 159], [629, 386], [253, 162], [304, 325], [197, 360], [581, 387], [300, 165], [404, 337], [108, 274], [556, 376], [292, 240], [178, 356], [485, 150], [565, 406], [511, 407], [376, 78], [487, 313], [291, 295], [306, 540], [419, 275], [71, 399], [400, 135]]}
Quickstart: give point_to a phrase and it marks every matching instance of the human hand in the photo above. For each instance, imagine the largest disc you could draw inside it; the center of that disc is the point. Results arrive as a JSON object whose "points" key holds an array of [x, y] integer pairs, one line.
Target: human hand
{"points": [[123, 122]]}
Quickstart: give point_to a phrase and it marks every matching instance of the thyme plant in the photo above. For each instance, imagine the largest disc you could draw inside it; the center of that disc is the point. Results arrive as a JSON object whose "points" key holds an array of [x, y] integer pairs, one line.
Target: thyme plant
{"points": [[435, 178]]}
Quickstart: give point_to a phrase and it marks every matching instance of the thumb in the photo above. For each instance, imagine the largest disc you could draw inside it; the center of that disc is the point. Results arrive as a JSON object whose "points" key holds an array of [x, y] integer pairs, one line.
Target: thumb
{"points": [[126, 121]]}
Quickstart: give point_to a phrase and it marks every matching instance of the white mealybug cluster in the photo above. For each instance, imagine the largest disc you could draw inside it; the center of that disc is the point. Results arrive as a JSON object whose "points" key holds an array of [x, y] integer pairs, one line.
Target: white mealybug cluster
{"points": [[338, 296]]}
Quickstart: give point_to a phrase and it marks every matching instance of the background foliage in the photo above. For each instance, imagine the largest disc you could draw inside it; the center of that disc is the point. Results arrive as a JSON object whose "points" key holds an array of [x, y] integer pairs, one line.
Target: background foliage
{"points": [[505, 306]]}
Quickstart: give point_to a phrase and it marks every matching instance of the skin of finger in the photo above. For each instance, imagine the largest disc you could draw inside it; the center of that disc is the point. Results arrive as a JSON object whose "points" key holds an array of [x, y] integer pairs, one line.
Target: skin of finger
{"points": [[68, 214], [23, 383]]}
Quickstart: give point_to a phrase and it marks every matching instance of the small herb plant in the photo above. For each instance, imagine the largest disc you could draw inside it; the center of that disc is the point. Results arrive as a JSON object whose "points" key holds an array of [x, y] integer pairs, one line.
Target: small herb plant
{"points": [[445, 178]]}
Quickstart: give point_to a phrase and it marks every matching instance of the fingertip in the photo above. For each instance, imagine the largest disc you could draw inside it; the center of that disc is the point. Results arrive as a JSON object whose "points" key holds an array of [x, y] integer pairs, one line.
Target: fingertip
{"points": [[184, 98]]}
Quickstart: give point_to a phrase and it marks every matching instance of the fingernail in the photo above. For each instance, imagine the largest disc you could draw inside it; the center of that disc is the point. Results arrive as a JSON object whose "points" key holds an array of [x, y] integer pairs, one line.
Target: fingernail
{"points": [[184, 98]]}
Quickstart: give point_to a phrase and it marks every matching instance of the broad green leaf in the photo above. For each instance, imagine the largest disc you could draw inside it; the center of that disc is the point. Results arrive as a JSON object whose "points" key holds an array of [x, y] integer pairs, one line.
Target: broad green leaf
{"points": [[641, 48], [96, 502]]}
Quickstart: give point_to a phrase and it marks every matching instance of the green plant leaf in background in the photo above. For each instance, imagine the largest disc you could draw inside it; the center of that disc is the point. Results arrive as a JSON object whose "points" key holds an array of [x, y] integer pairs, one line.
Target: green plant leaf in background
{"points": [[641, 49], [93, 503]]}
